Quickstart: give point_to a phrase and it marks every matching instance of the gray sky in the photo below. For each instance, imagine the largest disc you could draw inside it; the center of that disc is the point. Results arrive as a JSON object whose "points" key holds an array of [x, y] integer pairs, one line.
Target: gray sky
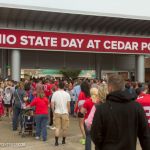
{"points": [[132, 8]]}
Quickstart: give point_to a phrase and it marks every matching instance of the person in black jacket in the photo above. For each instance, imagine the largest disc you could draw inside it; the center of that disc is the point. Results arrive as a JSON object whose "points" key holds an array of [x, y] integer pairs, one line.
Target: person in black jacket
{"points": [[118, 122]]}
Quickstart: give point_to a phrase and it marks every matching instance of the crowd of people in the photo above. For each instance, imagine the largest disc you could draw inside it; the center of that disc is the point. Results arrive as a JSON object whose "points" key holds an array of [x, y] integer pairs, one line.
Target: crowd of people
{"points": [[111, 113]]}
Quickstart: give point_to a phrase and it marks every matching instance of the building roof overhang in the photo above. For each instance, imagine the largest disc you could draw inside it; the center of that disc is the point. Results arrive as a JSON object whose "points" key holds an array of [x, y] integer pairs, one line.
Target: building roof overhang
{"points": [[75, 23]]}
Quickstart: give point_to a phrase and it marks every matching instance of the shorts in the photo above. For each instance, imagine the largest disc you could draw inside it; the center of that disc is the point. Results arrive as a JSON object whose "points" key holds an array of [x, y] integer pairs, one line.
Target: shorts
{"points": [[61, 121], [7, 105], [80, 115]]}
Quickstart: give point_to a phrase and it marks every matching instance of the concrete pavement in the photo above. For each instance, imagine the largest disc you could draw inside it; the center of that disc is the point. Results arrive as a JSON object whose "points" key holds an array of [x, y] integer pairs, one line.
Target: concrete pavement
{"points": [[29, 143]]}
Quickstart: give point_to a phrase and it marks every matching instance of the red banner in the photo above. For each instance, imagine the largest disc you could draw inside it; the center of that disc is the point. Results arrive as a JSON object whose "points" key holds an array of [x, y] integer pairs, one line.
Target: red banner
{"points": [[36, 40]]}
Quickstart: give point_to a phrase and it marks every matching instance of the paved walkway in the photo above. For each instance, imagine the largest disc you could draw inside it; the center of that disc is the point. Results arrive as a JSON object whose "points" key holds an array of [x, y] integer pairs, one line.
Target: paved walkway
{"points": [[29, 143]]}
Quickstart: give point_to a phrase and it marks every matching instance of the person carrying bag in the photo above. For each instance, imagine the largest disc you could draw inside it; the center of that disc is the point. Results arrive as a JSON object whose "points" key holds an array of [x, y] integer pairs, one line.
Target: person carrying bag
{"points": [[18, 104]]}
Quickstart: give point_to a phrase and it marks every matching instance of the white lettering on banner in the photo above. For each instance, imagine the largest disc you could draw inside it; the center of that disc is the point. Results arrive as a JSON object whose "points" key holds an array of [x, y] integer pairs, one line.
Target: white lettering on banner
{"points": [[59, 41], [46, 39], [128, 46], [64, 42], [10, 39], [80, 42], [93, 44], [147, 110], [73, 43], [53, 42], [97, 42], [120, 45], [145, 45], [114, 45], [31, 40], [76, 43], [135, 46], [90, 44], [24, 40], [107, 44], [39, 41], [2, 38]]}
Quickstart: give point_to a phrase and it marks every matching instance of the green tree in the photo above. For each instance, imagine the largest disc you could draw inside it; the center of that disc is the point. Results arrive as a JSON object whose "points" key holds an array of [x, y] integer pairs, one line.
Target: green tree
{"points": [[70, 73]]}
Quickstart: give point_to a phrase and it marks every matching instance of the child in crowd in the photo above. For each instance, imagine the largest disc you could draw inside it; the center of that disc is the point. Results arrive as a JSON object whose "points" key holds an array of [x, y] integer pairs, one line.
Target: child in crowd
{"points": [[26, 101]]}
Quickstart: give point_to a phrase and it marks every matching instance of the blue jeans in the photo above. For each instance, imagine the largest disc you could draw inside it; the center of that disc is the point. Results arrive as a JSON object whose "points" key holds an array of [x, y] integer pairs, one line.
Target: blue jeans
{"points": [[16, 117], [41, 122], [88, 139], [72, 103]]}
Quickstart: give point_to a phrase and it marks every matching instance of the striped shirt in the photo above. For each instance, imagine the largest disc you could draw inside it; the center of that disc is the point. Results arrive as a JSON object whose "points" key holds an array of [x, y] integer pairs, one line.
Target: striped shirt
{"points": [[145, 102]]}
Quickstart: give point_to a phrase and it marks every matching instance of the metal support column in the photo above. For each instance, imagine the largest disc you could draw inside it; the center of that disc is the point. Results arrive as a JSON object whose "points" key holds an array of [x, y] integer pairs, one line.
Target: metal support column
{"points": [[140, 68], [15, 65]]}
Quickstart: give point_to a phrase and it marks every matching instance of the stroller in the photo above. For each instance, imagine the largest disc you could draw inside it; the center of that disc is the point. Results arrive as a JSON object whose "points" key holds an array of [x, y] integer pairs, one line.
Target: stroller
{"points": [[27, 122]]}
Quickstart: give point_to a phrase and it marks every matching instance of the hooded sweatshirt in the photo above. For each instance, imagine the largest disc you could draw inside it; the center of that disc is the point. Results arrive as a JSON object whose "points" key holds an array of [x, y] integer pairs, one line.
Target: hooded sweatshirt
{"points": [[118, 122]]}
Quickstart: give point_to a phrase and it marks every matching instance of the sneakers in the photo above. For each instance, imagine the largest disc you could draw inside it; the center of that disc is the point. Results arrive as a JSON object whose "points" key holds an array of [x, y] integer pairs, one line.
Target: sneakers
{"points": [[52, 128], [82, 141], [37, 137]]}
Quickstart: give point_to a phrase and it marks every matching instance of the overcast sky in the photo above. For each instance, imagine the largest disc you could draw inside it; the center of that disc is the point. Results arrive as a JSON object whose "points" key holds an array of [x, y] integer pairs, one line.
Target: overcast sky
{"points": [[139, 8]]}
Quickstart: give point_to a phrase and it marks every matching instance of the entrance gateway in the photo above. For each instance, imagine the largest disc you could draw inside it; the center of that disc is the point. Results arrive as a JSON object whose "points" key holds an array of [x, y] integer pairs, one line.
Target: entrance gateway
{"points": [[21, 40]]}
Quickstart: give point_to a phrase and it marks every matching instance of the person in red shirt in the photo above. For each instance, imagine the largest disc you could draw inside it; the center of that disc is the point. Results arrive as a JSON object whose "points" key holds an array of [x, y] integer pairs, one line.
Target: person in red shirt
{"points": [[83, 96], [49, 84], [81, 99], [33, 85], [86, 109], [144, 100], [47, 88], [41, 113]]}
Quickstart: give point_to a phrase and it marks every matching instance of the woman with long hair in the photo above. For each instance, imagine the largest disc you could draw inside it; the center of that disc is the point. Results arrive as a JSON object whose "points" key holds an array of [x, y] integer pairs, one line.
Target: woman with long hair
{"points": [[98, 96], [83, 96], [86, 109], [102, 93]]}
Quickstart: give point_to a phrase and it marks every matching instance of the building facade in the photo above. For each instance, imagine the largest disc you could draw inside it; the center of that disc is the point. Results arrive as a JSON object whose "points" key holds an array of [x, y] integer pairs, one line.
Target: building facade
{"points": [[83, 35]]}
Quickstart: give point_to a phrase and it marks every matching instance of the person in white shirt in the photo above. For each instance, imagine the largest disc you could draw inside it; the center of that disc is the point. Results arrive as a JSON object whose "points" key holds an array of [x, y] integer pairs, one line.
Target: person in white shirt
{"points": [[61, 107]]}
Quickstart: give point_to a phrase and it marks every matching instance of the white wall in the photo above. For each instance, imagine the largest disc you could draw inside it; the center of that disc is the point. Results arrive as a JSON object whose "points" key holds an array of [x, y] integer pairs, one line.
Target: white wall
{"points": [[123, 8]]}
